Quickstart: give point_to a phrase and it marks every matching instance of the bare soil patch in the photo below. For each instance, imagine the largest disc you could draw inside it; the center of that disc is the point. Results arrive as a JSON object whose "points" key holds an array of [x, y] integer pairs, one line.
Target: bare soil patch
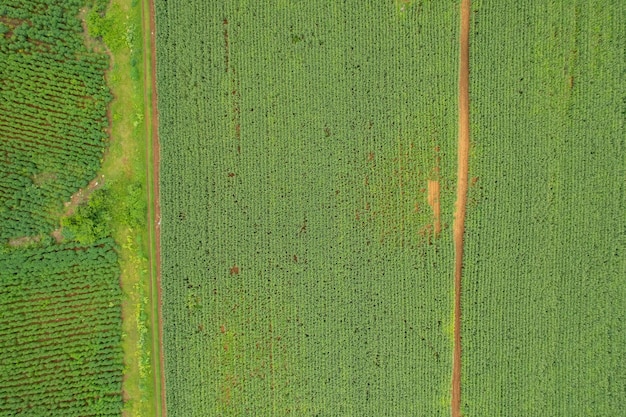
{"points": [[82, 195], [461, 200], [23, 241], [433, 202]]}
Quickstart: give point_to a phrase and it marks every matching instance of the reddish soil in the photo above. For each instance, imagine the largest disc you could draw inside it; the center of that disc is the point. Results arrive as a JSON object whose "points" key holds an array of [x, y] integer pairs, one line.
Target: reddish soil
{"points": [[433, 202], [155, 232], [461, 200]]}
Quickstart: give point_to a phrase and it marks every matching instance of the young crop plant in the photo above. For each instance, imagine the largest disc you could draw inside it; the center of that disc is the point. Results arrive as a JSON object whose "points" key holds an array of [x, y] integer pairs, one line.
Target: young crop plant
{"points": [[544, 323]]}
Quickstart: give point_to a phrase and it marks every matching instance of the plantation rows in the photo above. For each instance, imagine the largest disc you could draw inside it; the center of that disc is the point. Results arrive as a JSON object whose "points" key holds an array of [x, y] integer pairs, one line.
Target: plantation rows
{"points": [[60, 317], [301, 275], [544, 288], [52, 113], [40, 25], [60, 331]]}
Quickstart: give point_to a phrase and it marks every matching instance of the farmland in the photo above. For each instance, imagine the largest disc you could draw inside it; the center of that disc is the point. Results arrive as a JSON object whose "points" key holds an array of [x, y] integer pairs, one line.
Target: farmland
{"points": [[60, 331], [52, 113], [354, 208], [544, 291], [308, 163], [60, 299], [308, 181]]}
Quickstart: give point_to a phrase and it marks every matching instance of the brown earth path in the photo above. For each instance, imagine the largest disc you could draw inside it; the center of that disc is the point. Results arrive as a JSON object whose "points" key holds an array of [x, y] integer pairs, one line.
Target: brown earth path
{"points": [[461, 200], [154, 208]]}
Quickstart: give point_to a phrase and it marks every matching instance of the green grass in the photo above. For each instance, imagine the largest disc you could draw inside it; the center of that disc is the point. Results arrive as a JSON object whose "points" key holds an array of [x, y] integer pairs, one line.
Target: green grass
{"points": [[297, 138], [157, 372], [127, 168], [544, 308]]}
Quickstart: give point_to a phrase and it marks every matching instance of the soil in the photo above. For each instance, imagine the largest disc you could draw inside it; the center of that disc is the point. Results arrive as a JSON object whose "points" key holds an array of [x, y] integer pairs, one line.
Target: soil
{"points": [[159, 380], [23, 241], [433, 202], [461, 200]]}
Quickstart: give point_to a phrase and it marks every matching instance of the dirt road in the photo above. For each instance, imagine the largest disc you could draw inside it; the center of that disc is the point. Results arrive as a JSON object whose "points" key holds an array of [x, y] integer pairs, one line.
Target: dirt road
{"points": [[461, 200], [154, 208]]}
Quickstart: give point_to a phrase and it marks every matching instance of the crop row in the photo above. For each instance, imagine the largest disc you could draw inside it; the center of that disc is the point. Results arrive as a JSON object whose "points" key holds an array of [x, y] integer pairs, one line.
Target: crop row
{"points": [[53, 114], [60, 330], [300, 277]]}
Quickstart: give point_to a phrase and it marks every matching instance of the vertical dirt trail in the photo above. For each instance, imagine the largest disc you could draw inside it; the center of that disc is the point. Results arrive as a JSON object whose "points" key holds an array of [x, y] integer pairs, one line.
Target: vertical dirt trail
{"points": [[154, 208], [461, 200], [157, 205]]}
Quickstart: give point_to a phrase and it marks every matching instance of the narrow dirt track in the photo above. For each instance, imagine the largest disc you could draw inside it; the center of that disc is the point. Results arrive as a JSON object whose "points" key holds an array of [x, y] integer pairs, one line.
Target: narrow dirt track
{"points": [[157, 205], [154, 210], [461, 200]]}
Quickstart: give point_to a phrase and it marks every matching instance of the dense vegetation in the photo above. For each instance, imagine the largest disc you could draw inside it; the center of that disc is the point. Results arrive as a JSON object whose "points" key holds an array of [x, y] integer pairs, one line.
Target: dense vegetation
{"points": [[60, 331], [52, 112], [544, 301], [60, 321], [304, 273]]}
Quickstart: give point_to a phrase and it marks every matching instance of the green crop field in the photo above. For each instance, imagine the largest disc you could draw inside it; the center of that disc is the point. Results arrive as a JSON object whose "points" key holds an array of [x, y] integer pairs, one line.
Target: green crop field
{"points": [[60, 318], [60, 331], [311, 160], [544, 316], [52, 112], [304, 272], [308, 180]]}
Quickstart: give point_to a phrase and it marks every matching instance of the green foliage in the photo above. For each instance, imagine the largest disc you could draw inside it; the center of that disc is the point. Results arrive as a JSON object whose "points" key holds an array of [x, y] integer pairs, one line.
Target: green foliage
{"points": [[544, 313], [130, 206], [60, 318], [99, 6], [135, 71], [97, 25], [94, 220], [111, 28], [60, 330], [53, 117], [302, 275], [91, 221]]}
